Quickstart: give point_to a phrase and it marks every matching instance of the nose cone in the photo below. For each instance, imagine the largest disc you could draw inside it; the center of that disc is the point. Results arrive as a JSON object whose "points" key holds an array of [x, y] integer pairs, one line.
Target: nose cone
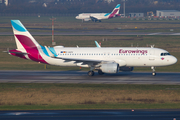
{"points": [[173, 60], [77, 17]]}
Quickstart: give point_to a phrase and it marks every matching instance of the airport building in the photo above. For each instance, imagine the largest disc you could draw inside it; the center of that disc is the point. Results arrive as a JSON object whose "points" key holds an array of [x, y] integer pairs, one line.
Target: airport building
{"points": [[136, 15], [167, 13]]}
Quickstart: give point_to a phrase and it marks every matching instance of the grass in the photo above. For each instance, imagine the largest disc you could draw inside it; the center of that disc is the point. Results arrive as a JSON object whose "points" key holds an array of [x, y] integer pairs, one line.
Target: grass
{"points": [[18, 96]]}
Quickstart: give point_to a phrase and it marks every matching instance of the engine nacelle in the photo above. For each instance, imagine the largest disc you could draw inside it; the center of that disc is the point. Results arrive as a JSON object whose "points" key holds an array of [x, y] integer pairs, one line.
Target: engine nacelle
{"points": [[110, 68], [87, 19], [126, 68]]}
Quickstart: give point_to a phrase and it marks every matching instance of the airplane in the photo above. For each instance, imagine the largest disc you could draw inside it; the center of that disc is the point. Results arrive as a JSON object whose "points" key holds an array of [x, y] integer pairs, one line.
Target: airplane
{"points": [[99, 16], [103, 59]]}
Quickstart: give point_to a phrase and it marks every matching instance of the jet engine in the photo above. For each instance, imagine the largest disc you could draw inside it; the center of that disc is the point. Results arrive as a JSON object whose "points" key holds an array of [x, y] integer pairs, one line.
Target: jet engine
{"points": [[110, 68], [124, 68], [87, 19]]}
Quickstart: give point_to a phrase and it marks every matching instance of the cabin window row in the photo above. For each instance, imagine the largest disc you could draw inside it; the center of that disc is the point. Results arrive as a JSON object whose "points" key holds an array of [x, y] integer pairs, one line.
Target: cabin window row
{"points": [[99, 54]]}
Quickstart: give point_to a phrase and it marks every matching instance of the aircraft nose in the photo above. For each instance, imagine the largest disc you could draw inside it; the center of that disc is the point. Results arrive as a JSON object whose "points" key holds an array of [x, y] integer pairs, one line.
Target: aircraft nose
{"points": [[77, 17], [173, 60]]}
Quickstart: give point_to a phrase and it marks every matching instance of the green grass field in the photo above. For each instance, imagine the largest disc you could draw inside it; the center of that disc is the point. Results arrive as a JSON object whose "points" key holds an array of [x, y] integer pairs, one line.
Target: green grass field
{"points": [[17, 96]]}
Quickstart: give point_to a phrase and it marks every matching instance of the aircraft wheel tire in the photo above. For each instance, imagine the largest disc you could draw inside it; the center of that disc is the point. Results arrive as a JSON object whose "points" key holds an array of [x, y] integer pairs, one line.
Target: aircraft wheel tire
{"points": [[91, 73], [153, 74], [100, 72]]}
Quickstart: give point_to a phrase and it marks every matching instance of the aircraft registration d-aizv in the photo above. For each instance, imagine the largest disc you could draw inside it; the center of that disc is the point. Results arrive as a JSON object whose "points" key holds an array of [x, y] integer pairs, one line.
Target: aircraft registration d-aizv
{"points": [[99, 16], [103, 59]]}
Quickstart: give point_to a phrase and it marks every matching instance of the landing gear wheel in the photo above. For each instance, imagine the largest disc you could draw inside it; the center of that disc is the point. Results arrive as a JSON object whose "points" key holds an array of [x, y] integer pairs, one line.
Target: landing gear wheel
{"points": [[153, 74], [91, 73], [100, 72]]}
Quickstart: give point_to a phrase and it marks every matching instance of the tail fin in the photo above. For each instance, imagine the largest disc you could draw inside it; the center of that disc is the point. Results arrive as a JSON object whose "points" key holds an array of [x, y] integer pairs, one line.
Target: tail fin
{"points": [[23, 38], [27, 46], [115, 11]]}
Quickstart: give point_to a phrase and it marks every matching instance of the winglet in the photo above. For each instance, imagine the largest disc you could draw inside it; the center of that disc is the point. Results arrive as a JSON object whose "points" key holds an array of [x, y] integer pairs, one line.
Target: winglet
{"points": [[97, 44]]}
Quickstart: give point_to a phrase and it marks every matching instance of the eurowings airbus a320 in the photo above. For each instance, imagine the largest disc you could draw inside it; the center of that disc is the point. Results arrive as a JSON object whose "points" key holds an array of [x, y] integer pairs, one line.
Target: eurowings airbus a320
{"points": [[103, 59], [99, 16]]}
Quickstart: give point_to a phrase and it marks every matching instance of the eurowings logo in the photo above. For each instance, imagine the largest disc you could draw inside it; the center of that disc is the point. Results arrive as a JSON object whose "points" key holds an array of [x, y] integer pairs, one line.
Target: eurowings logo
{"points": [[133, 51]]}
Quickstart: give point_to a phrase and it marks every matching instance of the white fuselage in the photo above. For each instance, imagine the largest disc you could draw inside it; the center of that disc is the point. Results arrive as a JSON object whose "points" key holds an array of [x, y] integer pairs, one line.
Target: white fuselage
{"points": [[124, 56], [86, 16]]}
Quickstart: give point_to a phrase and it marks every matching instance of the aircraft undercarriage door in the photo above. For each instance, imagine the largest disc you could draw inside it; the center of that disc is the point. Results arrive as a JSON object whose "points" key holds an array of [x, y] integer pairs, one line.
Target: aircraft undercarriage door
{"points": [[151, 55]]}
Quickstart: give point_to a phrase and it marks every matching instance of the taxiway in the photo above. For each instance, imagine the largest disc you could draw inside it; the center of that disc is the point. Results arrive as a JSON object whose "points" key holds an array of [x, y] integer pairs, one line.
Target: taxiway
{"points": [[82, 77]]}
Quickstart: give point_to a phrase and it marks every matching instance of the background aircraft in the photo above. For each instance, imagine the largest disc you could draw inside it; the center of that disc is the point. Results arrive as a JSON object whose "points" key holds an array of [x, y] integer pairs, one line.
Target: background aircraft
{"points": [[99, 16], [103, 59]]}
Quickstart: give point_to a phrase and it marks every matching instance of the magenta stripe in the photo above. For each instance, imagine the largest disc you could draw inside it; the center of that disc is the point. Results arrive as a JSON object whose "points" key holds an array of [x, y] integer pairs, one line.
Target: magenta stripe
{"points": [[31, 48], [112, 14]]}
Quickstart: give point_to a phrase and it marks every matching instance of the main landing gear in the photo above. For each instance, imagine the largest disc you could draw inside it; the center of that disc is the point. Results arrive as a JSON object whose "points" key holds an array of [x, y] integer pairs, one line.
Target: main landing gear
{"points": [[91, 73], [154, 72], [100, 72]]}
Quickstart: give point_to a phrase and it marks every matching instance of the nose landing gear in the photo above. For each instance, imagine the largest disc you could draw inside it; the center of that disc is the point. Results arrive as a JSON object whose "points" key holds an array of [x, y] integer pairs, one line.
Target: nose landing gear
{"points": [[153, 71]]}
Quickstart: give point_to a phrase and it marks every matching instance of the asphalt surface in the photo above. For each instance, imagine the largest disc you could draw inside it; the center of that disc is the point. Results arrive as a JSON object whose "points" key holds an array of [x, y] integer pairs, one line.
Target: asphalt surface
{"points": [[82, 77], [91, 115]]}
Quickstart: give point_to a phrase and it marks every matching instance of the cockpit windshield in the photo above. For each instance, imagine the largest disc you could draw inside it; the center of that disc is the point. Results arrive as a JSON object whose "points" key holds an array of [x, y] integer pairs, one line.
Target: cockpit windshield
{"points": [[164, 54]]}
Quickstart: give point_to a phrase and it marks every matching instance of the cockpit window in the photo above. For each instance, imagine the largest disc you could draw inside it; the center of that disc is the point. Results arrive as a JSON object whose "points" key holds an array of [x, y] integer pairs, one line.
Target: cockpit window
{"points": [[164, 54]]}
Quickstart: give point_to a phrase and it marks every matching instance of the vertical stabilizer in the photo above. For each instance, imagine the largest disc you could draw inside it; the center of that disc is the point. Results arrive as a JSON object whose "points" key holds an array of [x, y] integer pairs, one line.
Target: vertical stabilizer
{"points": [[115, 11], [23, 38], [26, 43]]}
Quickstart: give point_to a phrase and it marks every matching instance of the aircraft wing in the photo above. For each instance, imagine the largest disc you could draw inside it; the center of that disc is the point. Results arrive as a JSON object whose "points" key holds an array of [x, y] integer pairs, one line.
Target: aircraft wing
{"points": [[84, 61], [81, 60], [94, 18]]}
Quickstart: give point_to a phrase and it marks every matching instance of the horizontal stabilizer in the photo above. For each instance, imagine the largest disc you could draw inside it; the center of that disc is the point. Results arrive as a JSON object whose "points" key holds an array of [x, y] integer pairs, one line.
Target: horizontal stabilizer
{"points": [[22, 53], [15, 52]]}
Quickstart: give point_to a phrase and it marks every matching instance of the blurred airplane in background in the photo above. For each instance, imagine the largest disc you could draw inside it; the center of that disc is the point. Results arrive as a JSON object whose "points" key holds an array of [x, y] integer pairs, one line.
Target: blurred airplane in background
{"points": [[99, 16]]}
